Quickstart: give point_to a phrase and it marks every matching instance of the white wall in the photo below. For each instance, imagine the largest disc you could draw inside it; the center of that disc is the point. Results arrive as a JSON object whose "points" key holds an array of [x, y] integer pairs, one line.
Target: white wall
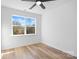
{"points": [[9, 41], [59, 27]]}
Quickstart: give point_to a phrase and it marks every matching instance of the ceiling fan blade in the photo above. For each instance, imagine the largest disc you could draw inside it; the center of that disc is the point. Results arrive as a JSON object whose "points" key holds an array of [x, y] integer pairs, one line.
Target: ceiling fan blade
{"points": [[29, 0], [45, 0], [48, 0], [32, 6], [42, 6], [38, 0]]}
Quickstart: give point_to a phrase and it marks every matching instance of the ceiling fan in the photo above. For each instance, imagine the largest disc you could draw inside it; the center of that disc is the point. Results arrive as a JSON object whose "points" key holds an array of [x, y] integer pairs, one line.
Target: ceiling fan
{"points": [[38, 2]]}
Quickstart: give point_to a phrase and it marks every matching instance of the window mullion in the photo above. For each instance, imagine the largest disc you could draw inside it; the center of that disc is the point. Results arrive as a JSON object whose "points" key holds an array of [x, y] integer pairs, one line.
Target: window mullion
{"points": [[24, 30]]}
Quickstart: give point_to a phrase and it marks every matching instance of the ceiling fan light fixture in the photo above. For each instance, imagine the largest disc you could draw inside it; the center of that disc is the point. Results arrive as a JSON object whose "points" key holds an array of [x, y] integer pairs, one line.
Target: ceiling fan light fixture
{"points": [[38, 3]]}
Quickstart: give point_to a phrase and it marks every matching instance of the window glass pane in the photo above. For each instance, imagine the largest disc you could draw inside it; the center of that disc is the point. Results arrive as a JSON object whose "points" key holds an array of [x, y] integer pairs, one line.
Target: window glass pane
{"points": [[30, 21], [17, 20], [30, 30], [18, 30], [20, 20]]}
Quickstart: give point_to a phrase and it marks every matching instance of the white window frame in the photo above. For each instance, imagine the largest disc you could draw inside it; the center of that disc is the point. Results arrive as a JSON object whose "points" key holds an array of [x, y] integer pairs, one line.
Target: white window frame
{"points": [[25, 27]]}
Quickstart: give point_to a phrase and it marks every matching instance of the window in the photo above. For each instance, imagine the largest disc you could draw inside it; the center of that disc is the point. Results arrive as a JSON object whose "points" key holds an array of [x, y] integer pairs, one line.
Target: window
{"points": [[23, 25]]}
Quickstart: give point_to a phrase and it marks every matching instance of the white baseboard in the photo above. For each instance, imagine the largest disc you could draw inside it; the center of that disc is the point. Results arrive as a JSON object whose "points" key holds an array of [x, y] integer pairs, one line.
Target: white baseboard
{"points": [[69, 52]]}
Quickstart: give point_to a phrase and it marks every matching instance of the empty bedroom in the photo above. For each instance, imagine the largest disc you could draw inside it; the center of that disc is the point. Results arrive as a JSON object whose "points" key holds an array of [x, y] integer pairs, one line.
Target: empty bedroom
{"points": [[38, 29]]}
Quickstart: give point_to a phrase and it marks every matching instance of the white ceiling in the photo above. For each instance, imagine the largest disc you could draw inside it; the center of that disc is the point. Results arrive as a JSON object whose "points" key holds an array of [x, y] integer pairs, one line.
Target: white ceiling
{"points": [[23, 5]]}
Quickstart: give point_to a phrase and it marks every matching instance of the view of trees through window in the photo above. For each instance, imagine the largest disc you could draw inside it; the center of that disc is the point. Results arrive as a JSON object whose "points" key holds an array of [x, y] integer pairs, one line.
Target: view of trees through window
{"points": [[23, 25]]}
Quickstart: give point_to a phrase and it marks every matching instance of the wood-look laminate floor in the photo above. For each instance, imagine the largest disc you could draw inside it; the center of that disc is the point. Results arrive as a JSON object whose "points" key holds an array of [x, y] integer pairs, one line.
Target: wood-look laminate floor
{"points": [[35, 51]]}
